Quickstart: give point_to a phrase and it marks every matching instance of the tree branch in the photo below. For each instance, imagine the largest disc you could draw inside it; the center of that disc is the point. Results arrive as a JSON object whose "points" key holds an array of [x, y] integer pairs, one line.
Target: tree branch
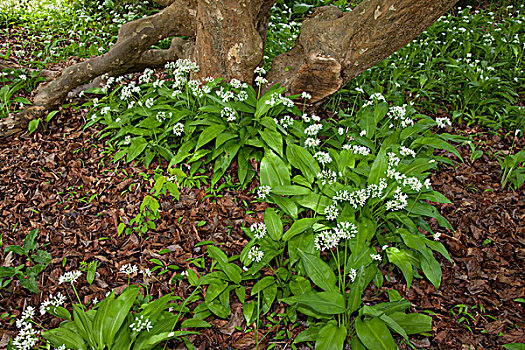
{"points": [[335, 47]]}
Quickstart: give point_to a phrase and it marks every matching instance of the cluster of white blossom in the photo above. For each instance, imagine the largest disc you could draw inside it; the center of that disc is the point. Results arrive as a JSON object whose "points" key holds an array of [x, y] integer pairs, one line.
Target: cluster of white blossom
{"points": [[69, 277], [128, 91], [323, 157], [258, 229], [285, 121], [277, 99], [228, 114], [52, 301], [357, 199], [331, 212], [178, 129], [327, 177], [129, 269], [443, 122], [399, 202], [255, 254], [140, 324], [357, 149], [400, 113], [27, 336], [263, 191], [329, 239]]}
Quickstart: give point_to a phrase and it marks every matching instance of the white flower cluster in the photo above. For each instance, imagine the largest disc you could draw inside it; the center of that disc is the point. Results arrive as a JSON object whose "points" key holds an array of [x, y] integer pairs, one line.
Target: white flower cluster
{"points": [[255, 254], [357, 149], [128, 90], [263, 191], [327, 177], [359, 198], [376, 257], [352, 274], [129, 269], [27, 336], [229, 114], [178, 129], [400, 113], [146, 76], [161, 116], [376, 97], [52, 301], [277, 99], [69, 277], [413, 182], [285, 121], [405, 151], [399, 202], [311, 142], [323, 158], [443, 122], [329, 239], [259, 79], [331, 212], [140, 324], [258, 229], [313, 129]]}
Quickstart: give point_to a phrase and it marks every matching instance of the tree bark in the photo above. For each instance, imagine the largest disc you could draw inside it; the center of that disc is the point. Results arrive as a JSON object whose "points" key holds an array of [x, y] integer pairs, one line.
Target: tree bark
{"points": [[230, 37], [335, 47]]}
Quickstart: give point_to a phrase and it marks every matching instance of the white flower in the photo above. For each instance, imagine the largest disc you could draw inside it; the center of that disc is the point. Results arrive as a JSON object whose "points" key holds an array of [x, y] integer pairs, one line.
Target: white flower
{"points": [[263, 191], [313, 129], [311, 142], [405, 151], [323, 158], [255, 254], [258, 229], [149, 103], [340, 131], [260, 80], [129, 269], [305, 118], [413, 183], [428, 184], [127, 140], [357, 149], [69, 277], [286, 121], [436, 236], [316, 118], [443, 122], [235, 83], [362, 133], [326, 240], [327, 177], [55, 301], [178, 129], [399, 202], [259, 70], [242, 96], [140, 324], [28, 313], [352, 275], [345, 230], [229, 114], [306, 95], [331, 212], [146, 272], [376, 257]]}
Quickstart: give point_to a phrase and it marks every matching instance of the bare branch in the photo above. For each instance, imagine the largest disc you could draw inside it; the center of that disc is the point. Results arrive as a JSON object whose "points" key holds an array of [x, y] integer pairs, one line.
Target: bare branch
{"points": [[335, 47]]}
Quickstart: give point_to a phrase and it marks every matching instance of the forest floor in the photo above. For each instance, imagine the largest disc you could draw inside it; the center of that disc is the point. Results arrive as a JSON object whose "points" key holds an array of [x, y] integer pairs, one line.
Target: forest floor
{"points": [[63, 182]]}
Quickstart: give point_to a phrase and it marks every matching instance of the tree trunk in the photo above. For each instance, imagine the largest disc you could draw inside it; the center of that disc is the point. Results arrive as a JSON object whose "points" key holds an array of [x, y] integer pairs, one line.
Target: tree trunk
{"points": [[227, 38]]}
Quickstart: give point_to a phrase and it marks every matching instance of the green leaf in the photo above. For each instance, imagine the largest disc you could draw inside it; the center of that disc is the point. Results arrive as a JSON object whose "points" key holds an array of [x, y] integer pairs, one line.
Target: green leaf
{"points": [[514, 346], [30, 241], [195, 323], [301, 159], [290, 190], [273, 224], [431, 269], [299, 285], [33, 125], [217, 254], [399, 258], [215, 288], [314, 201], [273, 171], [393, 325], [209, 134], [50, 116], [64, 336], [273, 139], [330, 303], [374, 334], [262, 284], [309, 334], [436, 142], [136, 147], [412, 323], [367, 121], [318, 271], [298, 227], [331, 337], [115, 311]]}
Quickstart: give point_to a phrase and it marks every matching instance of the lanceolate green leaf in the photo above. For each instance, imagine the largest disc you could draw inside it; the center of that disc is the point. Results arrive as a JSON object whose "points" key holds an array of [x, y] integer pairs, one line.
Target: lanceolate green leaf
{"points": [[330, 303], [318, 271], [298, 227], [374, 334], [209, 134], [274, 224], [331, 337], [116, 312], [273, 171]]}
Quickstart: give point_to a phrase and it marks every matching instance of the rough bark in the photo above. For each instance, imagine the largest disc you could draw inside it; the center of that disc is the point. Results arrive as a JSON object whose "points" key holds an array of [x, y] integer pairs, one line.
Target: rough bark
{"points": [[230, 37], [335, 47]]}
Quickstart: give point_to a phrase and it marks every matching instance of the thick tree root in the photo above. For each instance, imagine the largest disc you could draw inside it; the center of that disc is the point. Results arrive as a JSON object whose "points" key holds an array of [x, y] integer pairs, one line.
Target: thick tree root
{"points": [[130, 54]]}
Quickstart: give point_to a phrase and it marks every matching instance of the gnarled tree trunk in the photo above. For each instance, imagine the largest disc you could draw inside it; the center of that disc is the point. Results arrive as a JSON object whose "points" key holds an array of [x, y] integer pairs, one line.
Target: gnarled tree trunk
{"points": [[227, 38]]}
